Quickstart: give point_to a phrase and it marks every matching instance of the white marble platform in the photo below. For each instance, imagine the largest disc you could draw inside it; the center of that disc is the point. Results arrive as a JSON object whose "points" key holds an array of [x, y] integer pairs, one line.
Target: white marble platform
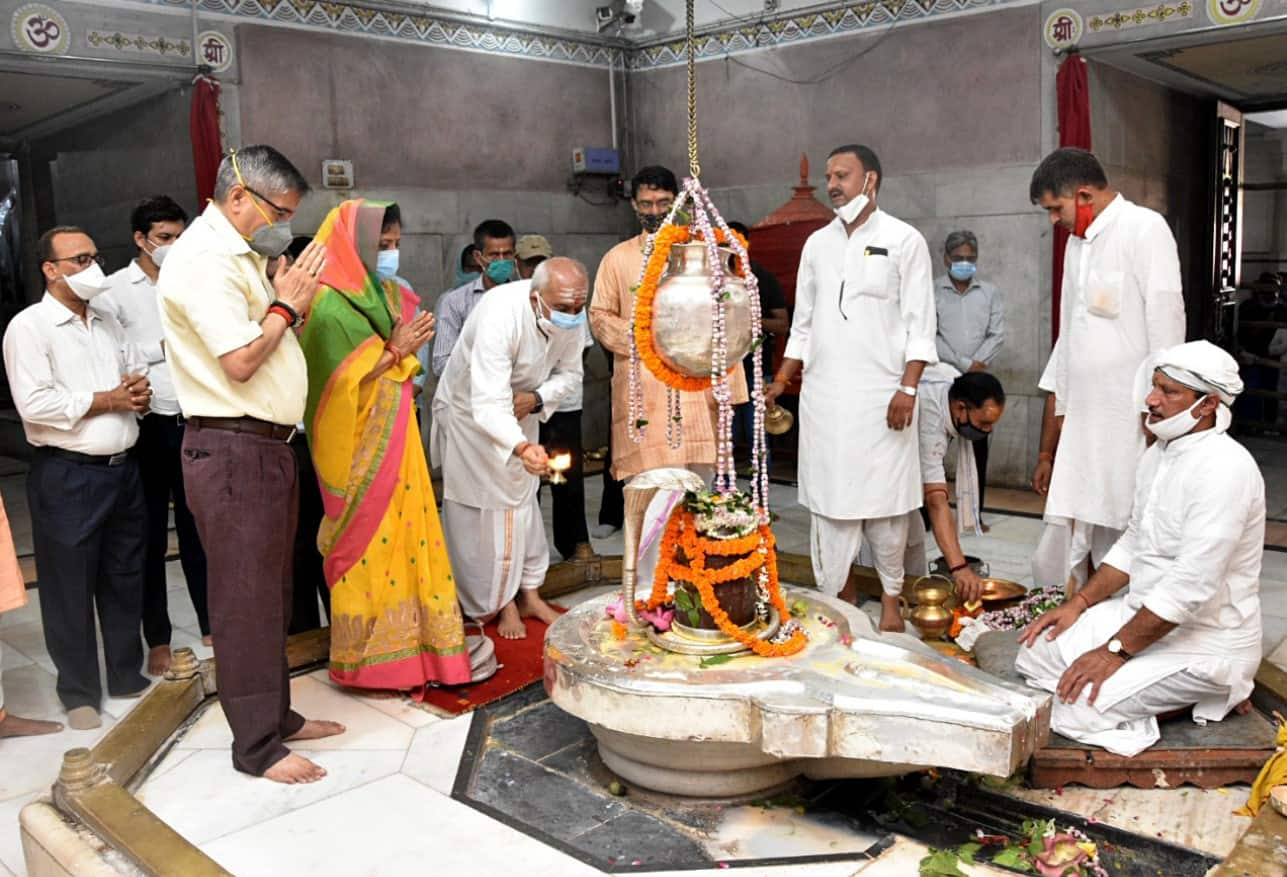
{"points": [[391, 775]]}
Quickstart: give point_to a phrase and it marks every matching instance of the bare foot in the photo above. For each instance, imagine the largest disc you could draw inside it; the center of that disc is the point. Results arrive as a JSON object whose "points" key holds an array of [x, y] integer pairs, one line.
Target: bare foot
{"points": [[294, 769], [530, 605], [316, 729], [510, 625], [891, 615], [158, 660], [17, 726], [1243, 708], [849, 593], [207, 640]]}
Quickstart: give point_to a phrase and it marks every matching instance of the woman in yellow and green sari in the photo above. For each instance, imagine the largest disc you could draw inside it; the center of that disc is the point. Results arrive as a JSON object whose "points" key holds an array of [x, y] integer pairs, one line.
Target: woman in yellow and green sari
{"points": [[395, 622]]}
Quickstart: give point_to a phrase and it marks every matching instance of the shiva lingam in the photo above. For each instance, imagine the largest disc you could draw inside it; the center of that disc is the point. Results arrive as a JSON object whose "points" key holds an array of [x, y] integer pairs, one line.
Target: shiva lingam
{"points": [[559, 464], [806, 688]]}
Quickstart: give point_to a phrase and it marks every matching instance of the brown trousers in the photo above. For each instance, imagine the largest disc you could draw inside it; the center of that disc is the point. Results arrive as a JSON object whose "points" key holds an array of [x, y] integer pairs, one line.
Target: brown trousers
{"points": [[244, 493]]}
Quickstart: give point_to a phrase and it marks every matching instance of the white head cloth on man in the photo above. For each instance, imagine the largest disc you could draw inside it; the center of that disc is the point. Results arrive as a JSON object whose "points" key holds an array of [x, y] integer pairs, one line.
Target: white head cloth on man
{"points": [[1204, 368]]}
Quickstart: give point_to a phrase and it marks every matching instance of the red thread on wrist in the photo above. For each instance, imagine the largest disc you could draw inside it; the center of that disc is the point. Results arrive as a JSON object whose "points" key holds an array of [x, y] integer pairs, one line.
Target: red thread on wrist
{"points": [[395, 350], [283, 313], [960, 566]]}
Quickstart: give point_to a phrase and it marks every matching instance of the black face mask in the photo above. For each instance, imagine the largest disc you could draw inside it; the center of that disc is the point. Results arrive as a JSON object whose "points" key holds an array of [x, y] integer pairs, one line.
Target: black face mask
{"points": [[651, 221], [969, 431]]}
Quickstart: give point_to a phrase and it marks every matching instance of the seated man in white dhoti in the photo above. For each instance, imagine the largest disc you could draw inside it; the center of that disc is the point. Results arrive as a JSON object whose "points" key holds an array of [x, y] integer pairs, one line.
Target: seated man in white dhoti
{"points": [[518, 356], [1171, 618]]}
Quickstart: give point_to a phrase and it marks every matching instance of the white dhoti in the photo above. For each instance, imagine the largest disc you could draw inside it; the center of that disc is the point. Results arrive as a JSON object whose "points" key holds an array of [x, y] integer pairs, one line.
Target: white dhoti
{"points": [[1070, 550], [834, 544], [915, 559], [1123, 719], [494, 553]]}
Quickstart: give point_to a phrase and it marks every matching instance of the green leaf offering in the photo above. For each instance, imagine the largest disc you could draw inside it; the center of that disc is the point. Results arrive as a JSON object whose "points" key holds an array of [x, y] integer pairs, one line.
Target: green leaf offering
{"points": [[941, 863], [967, 852], [1012, 857], [715, 661]]}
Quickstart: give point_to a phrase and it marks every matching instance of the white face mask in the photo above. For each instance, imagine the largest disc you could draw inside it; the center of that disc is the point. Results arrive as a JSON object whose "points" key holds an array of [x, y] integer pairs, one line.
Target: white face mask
{"points": [[88, 283], [848, 213], [1176, 425], [158, 254]]}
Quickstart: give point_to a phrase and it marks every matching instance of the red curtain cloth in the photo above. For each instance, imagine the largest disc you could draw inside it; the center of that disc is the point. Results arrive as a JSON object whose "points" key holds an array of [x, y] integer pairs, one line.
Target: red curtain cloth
{"points": [[1073, 94], [207, 151]]}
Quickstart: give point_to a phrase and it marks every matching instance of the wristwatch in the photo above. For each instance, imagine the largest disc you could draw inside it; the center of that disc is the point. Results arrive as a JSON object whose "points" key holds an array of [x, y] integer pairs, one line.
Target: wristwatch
{"points": [[1115, 648], [540, 403], [911, 391]]}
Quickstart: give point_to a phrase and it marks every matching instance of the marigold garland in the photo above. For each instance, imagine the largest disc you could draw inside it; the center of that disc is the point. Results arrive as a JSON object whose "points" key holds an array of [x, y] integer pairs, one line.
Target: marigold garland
{"points": [[667, 237], [681, 532]]}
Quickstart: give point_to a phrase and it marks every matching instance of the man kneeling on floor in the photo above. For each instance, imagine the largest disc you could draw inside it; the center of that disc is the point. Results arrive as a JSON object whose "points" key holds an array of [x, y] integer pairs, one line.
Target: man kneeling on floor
{"points": [[1171, 619]]}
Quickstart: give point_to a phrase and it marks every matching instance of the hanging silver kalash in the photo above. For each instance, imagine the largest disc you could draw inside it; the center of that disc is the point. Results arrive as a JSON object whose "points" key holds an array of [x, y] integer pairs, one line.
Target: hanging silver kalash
{"points": [[702, 320], [826, 695]]}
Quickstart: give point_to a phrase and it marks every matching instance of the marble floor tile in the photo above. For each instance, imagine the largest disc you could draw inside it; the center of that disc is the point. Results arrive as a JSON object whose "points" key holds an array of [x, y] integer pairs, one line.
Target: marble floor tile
{"points": [[759, 833], [434, 755], [28, 639], [391, 703], [367, 728], [244, 801], [31, 763], [11, 658], [11, 857], [1199, 819], [23, 614], [391, 826]]}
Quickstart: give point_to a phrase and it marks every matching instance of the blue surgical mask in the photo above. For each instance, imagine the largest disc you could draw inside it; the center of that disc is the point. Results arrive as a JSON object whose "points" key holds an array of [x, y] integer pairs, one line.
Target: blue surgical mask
{"points": [[501, 270], [386, 264], [561, 320], [962, 271]]}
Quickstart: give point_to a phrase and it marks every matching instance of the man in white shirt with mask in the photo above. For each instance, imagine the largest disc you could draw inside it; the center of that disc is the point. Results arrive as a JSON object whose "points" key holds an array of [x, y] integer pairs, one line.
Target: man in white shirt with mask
{"points": [[78, 387], [157, 223], [518, 358], [1171, 618], [863, 332], [1121, 303]]}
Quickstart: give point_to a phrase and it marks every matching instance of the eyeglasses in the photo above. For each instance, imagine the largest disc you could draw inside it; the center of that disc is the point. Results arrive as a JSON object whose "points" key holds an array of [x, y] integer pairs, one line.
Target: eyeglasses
{"points": [[281, 211], [82, 260]]}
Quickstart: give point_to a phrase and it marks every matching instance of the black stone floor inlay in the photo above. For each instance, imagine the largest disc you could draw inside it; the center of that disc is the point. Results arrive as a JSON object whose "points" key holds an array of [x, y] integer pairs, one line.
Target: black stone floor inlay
{"points": [[534, 767]]}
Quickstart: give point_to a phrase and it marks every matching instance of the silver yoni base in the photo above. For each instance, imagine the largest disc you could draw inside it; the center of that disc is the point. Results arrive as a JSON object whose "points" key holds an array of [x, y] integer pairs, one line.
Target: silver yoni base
{"points": [[854, 703]]}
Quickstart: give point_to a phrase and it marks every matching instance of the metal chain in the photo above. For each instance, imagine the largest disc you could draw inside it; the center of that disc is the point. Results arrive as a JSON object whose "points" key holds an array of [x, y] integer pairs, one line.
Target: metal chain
{"points": [[694, 168]]}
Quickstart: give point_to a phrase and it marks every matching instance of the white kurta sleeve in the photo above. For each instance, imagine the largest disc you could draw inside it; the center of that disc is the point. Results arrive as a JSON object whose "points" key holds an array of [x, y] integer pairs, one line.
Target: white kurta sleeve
{"points": [[802, 321], [37, 394], [1049, 380], [1161, 285], [563, 381], [916, 301], [1211, 529], [491, 367]]}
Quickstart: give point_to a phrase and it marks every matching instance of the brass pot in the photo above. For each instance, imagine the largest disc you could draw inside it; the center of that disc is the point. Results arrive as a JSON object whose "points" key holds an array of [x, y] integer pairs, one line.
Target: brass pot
{"points": [[778, 420], [929, 616], [682, 322]]}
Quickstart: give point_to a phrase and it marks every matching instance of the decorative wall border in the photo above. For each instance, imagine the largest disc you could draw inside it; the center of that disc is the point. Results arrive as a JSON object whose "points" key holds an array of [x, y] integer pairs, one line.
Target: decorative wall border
{"points": [[798, 28], [430, 29], [353, 18]]}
